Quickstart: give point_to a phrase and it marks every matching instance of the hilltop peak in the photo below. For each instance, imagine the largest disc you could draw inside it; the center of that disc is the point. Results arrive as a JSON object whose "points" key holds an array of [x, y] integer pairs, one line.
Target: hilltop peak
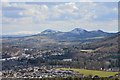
{"points": [[78, 30], [49, 31]]}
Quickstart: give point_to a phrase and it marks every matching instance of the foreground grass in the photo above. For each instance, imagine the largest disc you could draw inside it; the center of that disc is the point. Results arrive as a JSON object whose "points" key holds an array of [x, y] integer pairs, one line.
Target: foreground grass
{"points": [[91, 72]]}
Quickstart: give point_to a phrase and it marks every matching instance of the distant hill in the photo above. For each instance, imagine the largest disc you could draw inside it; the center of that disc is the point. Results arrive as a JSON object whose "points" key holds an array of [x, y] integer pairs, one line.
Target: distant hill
{"points": [[76, 34], [15, 36]]}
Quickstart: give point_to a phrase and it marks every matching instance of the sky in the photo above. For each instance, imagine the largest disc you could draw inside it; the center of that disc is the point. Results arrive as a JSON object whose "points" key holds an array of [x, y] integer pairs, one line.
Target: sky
{"points": [[34, 17]]}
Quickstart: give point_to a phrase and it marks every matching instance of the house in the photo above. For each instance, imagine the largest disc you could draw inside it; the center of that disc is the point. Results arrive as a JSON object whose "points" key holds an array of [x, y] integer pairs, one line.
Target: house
{"points": [[67, 59]]}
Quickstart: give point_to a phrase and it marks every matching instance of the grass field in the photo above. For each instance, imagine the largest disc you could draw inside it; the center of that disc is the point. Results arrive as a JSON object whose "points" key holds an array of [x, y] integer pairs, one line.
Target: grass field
{"points": [[92, 72]]}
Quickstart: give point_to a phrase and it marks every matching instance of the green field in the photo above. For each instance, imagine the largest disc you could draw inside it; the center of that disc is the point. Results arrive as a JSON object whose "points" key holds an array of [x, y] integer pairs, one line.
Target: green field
{"points": [[92, 72]]}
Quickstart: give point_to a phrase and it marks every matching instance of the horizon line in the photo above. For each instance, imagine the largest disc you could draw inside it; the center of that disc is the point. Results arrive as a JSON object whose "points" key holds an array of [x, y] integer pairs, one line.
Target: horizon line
{"points": [[38, 32]]}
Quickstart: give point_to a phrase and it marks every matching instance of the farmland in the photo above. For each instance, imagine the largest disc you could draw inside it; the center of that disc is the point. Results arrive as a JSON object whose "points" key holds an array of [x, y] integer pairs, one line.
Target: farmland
{"points": [[92, 72]]}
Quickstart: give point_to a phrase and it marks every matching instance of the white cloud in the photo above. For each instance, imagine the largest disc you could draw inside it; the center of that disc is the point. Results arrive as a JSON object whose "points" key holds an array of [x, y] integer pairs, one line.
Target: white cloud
{"points": [[86, 1], [5, 4], [42, 12], [21, 33], [39, 17], [69, 7], [85, 11], [115, 10], [20, 21], [39, 12], [110, 26], [4, 0]]}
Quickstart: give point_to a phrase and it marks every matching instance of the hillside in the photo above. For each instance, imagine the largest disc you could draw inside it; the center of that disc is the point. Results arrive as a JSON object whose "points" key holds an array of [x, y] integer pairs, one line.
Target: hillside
{"points": [[44, 50], [106, 45]]}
